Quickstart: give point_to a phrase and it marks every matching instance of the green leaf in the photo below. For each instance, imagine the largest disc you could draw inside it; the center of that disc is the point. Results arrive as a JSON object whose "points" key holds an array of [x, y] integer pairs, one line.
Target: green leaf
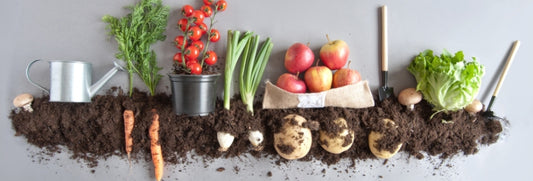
{"points": [[446, 81], [135, 33]]}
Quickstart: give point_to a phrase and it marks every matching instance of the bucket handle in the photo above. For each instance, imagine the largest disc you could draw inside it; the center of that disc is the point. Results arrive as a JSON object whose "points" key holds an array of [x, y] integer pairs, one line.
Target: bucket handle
{"points": [[29, 79]]}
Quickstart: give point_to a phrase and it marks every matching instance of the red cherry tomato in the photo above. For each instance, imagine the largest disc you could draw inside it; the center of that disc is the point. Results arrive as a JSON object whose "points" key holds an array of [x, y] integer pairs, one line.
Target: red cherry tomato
{"points": [[178, 57], [198, 16], [191, 61], [214, 36], [196, 68], [208, 2], [221, 5], [187, 10], [180, 42], [194, 33], [191, 52], [210, 58], [198, 44], [207, 10], [203, 27], [182, 24]]}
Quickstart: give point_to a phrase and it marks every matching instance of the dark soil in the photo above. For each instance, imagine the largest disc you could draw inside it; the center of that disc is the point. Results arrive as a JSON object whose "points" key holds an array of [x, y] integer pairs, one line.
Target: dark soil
{"points": [[94, 131]]}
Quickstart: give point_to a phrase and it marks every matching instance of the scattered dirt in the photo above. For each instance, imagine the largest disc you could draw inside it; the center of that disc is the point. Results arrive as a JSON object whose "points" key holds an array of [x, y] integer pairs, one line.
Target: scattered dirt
{"points": [[95, 131]]}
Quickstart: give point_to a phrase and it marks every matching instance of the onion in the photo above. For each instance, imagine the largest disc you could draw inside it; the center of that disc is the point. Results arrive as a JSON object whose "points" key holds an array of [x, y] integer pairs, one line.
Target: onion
{"points": [[256, 138], [224, 140]]}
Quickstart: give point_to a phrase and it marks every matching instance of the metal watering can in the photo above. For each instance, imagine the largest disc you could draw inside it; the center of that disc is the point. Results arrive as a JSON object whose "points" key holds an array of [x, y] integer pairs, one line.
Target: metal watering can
{"points": [[70, 81]]}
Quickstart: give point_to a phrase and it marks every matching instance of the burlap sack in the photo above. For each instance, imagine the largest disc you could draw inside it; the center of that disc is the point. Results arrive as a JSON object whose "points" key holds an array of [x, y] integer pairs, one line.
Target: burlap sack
{"points": [[350, 96]]}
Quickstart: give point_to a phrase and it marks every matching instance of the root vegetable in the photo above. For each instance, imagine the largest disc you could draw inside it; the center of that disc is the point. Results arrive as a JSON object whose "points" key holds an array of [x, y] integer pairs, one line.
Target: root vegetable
{"points": [[24, 101], [374, 136], [253, 64], [256, 138], [337, 142], [294, 140], [224, 140], [155, 146], [409, 97], [474, 107], [129, 120]]}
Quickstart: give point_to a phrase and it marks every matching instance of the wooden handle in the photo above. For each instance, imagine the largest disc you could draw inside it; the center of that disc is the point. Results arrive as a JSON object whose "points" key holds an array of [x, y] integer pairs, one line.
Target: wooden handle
{"points": [[510, 58], [384, 48]]}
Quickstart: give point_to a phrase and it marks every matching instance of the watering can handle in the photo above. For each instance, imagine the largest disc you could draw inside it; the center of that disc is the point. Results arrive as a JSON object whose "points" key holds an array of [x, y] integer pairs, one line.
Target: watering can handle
{"points": [[29, 79]]}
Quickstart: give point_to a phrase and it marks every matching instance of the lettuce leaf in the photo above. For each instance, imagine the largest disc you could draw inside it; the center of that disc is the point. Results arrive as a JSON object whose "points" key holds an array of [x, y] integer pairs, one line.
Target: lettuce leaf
{"points": [[447, 81]]}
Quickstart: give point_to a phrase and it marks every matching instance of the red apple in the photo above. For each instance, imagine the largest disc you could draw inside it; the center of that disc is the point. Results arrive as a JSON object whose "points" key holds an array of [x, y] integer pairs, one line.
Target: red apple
{"points": [[291, 83], [334, 54], [298, 58], [345, 76], [318, 78]]}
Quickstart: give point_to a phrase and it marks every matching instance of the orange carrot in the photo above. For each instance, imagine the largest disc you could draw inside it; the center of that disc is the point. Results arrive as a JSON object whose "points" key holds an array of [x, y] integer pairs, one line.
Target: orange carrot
{"points": [[128, 128], [155, 146]]}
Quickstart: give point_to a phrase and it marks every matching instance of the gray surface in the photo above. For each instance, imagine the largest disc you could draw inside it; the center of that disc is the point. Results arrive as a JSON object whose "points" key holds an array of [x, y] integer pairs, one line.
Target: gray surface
{"points": [[72, 30]]}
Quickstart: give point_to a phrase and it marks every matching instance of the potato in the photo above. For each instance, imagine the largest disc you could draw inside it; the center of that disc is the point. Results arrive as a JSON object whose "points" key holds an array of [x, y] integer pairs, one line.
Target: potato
{"points": [[337, 142], [293, 141], [372, 139]]}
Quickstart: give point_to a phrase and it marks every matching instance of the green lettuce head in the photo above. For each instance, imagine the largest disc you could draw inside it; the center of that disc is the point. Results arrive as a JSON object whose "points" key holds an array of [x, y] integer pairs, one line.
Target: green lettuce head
{"points": [[447, 81]]}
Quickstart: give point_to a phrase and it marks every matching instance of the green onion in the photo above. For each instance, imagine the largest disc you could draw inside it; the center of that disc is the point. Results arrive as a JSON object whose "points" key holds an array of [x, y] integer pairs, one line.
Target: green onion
{"points": [[252, 69], [235, 46]]}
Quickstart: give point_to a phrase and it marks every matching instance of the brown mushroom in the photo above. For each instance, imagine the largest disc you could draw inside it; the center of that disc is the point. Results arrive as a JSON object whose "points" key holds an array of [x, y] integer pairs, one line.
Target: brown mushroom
{"points": [[24, 101], [474, 107], [409, 97]]}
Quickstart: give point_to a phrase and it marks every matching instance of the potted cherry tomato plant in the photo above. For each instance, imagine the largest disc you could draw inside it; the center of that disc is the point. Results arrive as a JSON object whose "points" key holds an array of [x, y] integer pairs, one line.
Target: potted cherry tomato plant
{"points": [[194, 88]]}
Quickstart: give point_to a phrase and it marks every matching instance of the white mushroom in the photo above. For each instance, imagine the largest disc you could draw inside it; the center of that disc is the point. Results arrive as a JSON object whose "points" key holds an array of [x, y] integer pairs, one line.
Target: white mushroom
{"points": [[409, 97], [24, 101], [474, 107]]}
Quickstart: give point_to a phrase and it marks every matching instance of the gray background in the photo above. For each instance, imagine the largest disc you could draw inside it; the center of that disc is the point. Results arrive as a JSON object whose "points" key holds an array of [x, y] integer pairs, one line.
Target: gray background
{"points": [[72, 30]]}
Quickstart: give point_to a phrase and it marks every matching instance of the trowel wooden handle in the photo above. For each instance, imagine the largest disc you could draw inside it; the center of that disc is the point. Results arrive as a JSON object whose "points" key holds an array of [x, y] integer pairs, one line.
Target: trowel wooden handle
{"points": [[510, 58], [384, 47]]}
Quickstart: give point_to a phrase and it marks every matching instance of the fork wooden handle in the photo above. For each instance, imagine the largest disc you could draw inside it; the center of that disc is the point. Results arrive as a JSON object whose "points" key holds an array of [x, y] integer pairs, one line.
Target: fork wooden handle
{"points": [[510, 58]]}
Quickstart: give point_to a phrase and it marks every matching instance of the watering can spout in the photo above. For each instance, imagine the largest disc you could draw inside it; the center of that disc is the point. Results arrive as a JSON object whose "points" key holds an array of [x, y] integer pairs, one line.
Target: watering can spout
{"points": [[100, 83]]}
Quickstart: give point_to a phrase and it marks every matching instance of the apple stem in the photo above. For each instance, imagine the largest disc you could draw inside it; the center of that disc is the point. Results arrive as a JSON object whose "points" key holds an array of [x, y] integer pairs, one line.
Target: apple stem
{"points": [[297, 74], [317, 60], [327, 37], [348, 65]]}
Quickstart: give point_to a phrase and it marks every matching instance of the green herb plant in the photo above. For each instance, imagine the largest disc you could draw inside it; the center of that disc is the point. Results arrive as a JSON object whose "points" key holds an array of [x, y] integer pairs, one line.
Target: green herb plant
{"points": [[135, 33], [447, 81]]}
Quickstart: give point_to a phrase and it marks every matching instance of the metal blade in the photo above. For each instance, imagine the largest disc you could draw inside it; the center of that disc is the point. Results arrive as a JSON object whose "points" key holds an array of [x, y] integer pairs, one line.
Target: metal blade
{"points": [[385, 92]]}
